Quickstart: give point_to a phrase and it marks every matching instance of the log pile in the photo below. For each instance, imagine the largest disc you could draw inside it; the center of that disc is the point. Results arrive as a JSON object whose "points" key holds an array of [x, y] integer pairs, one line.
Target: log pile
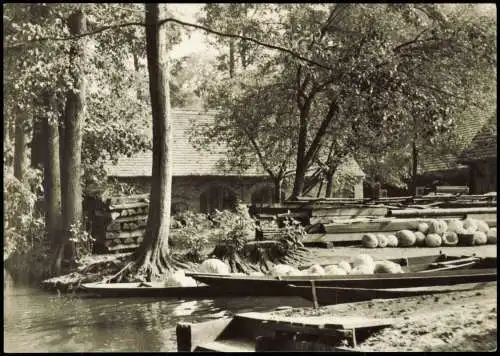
{"points": [[118, 223], [342, 221]]}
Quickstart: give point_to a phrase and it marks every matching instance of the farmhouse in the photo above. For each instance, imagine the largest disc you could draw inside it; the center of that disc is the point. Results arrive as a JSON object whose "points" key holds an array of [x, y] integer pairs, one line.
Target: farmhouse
{"points": [[198, 181], [475, 166]]}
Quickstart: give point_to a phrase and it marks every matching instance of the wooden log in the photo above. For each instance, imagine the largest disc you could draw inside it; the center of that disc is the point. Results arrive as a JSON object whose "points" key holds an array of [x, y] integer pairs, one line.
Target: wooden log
{"points": [[133, 205], [351, 212], [329, 239], [467, 204], [124, 234], [451, 189], [116, 224], [379, 225], [440, 212], [127, 199], [122, 247]]}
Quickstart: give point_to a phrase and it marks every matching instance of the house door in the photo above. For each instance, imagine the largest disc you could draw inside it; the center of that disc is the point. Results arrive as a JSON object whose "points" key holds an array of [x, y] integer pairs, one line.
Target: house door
{"points": [[217, 197]]}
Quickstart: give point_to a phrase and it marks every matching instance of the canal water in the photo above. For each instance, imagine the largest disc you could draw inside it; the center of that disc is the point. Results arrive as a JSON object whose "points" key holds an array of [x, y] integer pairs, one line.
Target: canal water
{"points": [[38, 321]]}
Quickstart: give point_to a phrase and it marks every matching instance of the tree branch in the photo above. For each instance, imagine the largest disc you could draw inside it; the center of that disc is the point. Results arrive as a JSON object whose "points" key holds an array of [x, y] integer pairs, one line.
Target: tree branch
{"points": [[321, 131], [259, 154], [405, 44], [179, 22]]}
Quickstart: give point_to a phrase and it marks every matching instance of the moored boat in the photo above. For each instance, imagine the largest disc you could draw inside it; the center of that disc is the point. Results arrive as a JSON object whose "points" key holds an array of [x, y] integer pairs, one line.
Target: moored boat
{"points": [[338, 295], [440, 270]]}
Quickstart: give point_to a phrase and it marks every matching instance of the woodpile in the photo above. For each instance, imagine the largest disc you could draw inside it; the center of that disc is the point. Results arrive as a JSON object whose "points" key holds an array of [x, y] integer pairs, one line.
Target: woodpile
{"points": [[330, 221], [118, 223]]}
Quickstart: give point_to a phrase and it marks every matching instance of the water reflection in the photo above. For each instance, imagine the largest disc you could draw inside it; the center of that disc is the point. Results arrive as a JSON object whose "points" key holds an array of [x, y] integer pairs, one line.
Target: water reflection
{"points": [[36, 321]]}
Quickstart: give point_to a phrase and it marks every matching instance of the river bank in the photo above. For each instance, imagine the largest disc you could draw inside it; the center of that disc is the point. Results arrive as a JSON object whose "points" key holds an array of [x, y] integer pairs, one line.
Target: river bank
{"points": [[459, 321]]}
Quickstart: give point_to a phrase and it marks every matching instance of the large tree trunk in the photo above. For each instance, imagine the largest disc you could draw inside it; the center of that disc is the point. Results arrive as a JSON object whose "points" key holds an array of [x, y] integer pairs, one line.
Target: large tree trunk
{"points": [[37, 144], [153, 254], [277, 190], [414, 169], [329, 185], [20, 151], [52, 180], [71, 168], [300, 170]]}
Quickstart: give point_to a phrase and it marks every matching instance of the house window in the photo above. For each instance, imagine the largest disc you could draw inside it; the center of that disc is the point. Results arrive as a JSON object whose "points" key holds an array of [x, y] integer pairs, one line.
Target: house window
{"points": [[217, 197]]}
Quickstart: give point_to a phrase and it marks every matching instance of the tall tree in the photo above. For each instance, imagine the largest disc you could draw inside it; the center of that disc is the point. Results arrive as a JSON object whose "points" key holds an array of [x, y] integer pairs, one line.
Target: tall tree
{"points": [[52, 171], [153, 254], [367, 90], [74, 118]]}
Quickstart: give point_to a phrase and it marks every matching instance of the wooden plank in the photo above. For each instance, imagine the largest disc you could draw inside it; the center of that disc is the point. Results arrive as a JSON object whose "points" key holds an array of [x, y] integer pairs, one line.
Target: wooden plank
{"points": [[373, 226], [324, 321], [315, 297], [117, 200], [353, 212], [340, 237], [229, 345], [123, 247], [452, 189], [125, 206], [190, 335], [440, 212]]}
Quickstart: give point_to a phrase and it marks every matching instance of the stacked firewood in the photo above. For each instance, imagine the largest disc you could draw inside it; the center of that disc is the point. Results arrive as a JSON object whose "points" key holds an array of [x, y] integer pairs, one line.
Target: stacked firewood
{"points": [[119, 223]]}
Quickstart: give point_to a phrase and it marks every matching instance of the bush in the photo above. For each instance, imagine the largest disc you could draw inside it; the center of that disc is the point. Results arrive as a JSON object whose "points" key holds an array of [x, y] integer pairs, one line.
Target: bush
{"points": [[82, 240], [23, 226], [236, 228], [193, 232]]}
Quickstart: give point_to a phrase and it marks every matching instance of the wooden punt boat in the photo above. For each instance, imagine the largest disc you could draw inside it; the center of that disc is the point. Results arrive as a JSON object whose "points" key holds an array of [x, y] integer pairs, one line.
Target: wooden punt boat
{"points": [[159, 290], [338, 295], [141, 289], [418, 272]]}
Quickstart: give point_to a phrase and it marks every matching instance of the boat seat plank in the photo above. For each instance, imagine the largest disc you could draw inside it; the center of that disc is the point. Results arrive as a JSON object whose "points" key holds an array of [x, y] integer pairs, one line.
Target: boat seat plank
{"points": [[227, 345]]}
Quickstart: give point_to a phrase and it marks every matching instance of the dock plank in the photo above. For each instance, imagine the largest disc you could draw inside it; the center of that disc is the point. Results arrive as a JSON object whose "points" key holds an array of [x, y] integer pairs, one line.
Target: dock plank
{"points": [[350, 322]]}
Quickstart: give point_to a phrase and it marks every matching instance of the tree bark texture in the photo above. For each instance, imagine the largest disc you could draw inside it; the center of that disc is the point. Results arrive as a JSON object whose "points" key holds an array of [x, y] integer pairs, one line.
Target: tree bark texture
{"points": [[414, 168], [52, 179], [277, 190], [20, 151], [74, 116], [154, 249], [329, 183], [300, 171], [38, 144]]}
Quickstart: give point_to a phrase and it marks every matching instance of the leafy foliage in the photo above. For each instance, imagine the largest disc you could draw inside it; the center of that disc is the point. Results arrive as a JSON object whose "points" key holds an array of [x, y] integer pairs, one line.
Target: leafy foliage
{"points": [[191, 231], [23, 226], [236, 228], [392, 74], [82, 240]]}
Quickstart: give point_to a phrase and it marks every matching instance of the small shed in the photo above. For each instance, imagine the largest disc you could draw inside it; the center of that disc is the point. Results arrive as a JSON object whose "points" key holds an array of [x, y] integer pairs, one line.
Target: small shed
{"points": [[481, 158]]}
